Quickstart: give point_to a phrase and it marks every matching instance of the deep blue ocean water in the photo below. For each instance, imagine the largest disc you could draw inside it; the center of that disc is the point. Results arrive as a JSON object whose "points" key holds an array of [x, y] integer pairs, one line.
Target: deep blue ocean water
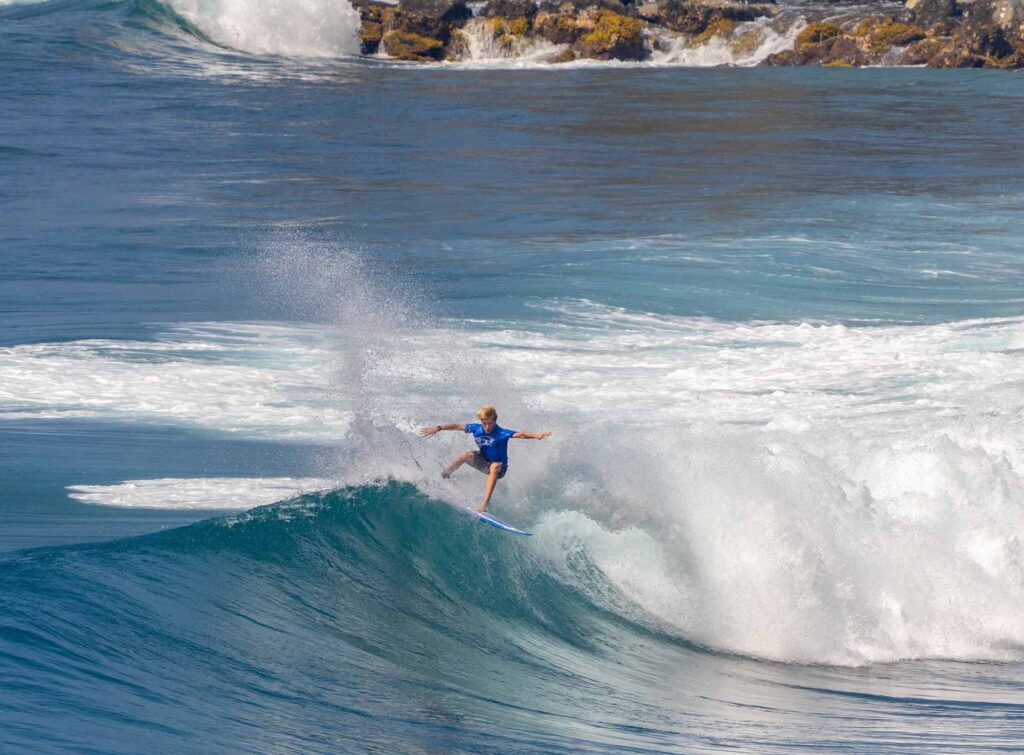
{"points": [[773, 318]]}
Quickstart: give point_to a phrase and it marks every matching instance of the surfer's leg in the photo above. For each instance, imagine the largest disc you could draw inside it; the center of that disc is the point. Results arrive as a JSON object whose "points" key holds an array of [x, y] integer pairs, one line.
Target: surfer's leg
{"points": [[461, 459], [492, 480]]}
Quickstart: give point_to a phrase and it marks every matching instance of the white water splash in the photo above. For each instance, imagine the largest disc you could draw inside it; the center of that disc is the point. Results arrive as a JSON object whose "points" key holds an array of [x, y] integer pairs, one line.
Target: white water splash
{"points": [[483, 45], [800, 492], [749, 44], [289, 28], [197, 493]]}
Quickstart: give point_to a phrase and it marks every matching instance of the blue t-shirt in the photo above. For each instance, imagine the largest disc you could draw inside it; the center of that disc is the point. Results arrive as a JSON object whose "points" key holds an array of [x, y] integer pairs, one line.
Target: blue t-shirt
{"points": [[493, 446]]}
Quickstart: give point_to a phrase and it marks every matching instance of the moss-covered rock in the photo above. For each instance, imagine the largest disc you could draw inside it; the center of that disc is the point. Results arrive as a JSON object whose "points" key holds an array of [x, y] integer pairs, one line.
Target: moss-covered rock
{"points": [[516, 27], [375, 18], [370, 35], [405, 45], [783, 58], [894, 34], [865, 26], [816, 33], [722, 27], [557, 27], [922, 52], [841, 49], [614, 37]]}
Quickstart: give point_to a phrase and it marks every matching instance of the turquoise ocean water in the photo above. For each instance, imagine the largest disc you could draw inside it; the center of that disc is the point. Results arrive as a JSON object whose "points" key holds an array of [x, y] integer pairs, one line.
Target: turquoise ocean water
{"points": [[773, 318]]}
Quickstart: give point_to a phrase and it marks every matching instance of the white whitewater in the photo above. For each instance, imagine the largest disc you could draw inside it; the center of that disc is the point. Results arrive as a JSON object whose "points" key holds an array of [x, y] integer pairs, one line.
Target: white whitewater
{"points": [[749, 44], [483, 46], [800, 492], [289, 28], [198, 492]]}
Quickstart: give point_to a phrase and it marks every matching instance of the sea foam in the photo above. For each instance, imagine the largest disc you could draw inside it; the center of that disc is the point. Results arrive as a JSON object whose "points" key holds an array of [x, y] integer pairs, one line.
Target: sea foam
{"points": [[803, 492], [197, 492], [291, 28]]}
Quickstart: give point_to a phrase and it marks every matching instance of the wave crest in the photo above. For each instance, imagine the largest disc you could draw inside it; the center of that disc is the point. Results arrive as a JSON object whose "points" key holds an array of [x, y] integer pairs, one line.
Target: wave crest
{"points": [[289, 28]]}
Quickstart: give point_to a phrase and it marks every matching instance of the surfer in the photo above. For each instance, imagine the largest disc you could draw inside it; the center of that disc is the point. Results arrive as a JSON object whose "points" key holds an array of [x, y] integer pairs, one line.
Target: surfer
{"points": [[491, 456]]}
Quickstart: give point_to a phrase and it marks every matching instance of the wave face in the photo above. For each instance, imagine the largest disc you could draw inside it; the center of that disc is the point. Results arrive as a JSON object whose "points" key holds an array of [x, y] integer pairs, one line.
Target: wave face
{"points": [[844, 495], [374, 616]]}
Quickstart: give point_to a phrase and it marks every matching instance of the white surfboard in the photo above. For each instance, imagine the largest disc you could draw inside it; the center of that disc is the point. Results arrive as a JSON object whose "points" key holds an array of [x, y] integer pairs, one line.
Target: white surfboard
{"points": [[495, 522]]}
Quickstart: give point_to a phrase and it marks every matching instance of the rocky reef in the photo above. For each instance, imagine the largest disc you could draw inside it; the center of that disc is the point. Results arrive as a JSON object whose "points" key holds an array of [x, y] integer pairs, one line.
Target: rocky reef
{"points": [[935, 33]]}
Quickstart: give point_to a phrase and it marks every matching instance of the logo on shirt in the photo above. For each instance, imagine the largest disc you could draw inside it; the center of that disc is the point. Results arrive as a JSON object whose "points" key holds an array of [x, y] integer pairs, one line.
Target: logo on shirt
{"points": [[484, 440]]}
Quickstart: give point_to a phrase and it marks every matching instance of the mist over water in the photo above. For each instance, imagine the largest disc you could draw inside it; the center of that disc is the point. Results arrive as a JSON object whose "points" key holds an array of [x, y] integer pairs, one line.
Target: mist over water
{"points": [[774, 327]]}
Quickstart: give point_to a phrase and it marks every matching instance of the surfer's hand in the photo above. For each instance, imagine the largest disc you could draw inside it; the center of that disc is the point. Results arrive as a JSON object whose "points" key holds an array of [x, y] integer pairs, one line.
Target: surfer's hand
{"points": [[426, 432], [542, 436]]}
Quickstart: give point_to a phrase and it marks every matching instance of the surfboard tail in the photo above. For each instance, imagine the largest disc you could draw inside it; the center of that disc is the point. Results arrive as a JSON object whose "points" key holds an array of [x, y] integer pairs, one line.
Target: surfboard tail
{"points": [[495, 522]]}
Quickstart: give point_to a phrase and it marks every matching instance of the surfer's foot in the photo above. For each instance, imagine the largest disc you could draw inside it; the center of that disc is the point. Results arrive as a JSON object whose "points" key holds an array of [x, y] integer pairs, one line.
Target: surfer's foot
{"points": [[482, 510]]}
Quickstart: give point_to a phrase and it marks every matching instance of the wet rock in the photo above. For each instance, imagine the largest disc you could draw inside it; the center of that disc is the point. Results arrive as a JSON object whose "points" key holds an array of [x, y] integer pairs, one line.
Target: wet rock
{"points": [[956, 57], [694, 16], [432, 19], [370, 35], [500, 37], [510, 27], [814, 34], [1007, 15], [509, 9], [723, 27], [433, 8], [648, 12], [406, 45], [930, 12], [565, 56], [612, 37], [945, 27], [375, 18], [842, 51], [557, 27], [987, 42], [821, 47], [890, 34], [575, 7], [784, 58], [922, 52]]}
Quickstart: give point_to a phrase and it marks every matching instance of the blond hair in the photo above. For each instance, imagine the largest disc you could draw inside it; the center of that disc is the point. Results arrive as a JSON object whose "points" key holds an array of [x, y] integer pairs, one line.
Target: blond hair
{"points": [[487, 411]]}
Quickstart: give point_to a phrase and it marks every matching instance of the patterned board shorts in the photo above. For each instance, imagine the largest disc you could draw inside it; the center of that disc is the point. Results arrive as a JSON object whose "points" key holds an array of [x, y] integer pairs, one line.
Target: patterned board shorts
{"points": [[479, 462]]}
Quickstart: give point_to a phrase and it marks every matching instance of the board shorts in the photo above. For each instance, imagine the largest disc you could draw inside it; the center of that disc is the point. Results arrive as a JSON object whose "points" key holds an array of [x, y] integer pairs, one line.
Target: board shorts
{"points": [[479, 462]]}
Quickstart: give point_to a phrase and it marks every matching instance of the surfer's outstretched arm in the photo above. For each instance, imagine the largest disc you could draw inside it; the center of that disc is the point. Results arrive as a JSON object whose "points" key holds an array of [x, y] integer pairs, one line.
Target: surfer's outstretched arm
{"points": [[426, 432], [531, 436]]}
